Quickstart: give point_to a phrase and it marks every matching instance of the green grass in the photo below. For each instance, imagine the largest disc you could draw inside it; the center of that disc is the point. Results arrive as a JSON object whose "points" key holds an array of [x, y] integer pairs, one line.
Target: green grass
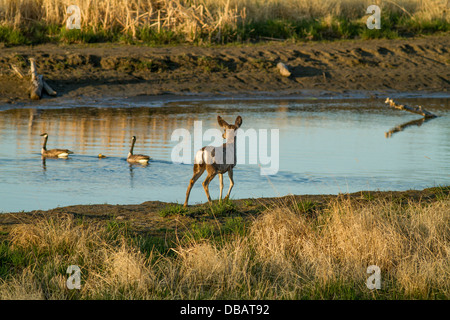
{"points": [[367, 196], [392, 26], [235, 225], [11, 260], [12, 37], [306, 206], [222, 208], [215, 230], [173, 209], [312, 29], [442, 192], [86, 36], [152, 37]]}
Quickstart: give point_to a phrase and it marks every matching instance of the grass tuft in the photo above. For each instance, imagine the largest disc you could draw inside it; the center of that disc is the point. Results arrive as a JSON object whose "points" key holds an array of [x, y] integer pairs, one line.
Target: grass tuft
{"points": [[223, 208], [173, 209]]}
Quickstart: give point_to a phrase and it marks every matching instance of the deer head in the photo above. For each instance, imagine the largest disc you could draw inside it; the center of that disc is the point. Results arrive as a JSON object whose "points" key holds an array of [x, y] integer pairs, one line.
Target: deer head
{"points": [[229, 129]]}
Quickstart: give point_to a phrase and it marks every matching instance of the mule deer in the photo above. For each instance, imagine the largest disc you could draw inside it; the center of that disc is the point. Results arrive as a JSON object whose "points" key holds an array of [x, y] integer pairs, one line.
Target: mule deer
{"points": [[216, 160]]}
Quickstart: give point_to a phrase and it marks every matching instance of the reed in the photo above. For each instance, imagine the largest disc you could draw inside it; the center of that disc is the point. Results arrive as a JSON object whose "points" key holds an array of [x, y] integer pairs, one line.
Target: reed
{"points": [[220, 20]]}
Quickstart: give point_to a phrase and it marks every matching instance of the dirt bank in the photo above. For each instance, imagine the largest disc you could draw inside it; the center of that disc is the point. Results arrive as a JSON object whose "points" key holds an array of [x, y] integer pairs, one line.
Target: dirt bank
{"points": [[111, 70]]}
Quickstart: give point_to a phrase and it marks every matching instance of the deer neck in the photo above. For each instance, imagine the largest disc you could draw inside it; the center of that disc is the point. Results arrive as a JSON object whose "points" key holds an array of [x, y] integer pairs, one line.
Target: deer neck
{"points": [[230, 149], [230, 142]]}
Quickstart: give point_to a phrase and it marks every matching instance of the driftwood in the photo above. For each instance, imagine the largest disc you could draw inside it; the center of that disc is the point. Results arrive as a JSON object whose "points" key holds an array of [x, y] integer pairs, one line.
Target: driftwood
{"points": [[284, 71], [49, 90], [38, 83], [417, 110], [17, 71]]}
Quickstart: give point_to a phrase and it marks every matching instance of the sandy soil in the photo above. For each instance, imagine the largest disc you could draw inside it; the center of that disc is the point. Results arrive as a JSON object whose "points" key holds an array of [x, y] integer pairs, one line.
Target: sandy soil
{"points": [[109, 70]]}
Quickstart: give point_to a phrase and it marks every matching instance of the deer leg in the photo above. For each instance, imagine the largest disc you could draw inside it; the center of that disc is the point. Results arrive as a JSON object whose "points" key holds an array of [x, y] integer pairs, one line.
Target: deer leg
{"points": [[230, 175], [198, 171], [205, 184], [221, 186]]}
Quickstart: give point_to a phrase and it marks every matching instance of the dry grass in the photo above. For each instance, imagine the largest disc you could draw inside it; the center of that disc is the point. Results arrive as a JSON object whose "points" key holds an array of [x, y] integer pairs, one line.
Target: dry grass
{"points": [[110, 266], [192, 18], [410, 245], [284, 255]]}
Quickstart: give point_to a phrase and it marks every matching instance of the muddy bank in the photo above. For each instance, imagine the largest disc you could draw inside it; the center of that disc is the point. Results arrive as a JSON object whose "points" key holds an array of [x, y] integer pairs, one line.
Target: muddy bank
{"points": [[111, 70], [147, 217]]}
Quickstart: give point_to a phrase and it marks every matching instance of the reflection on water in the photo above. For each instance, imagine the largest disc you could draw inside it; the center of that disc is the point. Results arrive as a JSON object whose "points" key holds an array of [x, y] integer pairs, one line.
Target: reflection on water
{"points": [[405, 125], [326, 146]]}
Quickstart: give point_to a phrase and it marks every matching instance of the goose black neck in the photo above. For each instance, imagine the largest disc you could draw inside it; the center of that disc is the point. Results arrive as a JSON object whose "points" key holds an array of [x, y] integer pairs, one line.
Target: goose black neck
{"points": [[44, 146], [132, 146]]}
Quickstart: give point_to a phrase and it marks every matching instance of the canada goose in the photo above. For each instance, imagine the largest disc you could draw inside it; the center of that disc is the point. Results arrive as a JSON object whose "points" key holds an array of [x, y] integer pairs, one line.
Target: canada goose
{"points": [[140, 158], [53, 153]]}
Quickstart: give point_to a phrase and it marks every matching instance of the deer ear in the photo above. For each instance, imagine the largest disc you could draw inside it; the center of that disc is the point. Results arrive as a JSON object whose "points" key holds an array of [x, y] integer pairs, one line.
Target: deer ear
{"points": [[238, 121], [221, 122]]}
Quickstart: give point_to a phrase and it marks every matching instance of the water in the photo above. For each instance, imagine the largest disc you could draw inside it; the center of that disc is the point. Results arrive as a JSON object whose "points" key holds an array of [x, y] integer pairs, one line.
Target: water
{"points": [[325, 147]]}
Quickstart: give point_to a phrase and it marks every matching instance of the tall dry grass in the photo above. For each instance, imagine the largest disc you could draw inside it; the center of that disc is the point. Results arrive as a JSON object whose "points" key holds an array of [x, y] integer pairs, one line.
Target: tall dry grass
{"points": [[194, 17], [285, 254], [411, 245], [108, 263]]}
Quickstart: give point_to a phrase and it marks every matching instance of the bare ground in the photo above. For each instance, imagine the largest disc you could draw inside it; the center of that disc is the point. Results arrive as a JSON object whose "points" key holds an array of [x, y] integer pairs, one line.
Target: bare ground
{"points": [[110, 70]]}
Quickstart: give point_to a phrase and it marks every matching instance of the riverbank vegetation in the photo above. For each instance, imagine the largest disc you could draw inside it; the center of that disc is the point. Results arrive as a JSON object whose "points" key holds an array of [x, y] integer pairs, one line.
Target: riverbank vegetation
{"points": [[286, 249], [162, 22]]}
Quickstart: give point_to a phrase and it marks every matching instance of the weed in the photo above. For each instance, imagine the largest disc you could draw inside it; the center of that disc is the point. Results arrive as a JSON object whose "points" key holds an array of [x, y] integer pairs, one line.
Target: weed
{"points": [[306, 206], [367, 196], [173, 209], [222, 208]]}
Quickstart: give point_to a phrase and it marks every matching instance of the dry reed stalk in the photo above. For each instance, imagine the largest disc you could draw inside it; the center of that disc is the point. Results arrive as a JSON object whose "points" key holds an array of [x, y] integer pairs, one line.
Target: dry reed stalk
{"points": [[212, 15]]}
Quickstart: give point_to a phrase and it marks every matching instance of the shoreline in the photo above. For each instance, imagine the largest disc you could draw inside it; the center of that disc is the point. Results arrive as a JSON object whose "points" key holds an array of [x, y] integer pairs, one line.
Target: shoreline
{"points": [[146, 217], [368, 68], [161, 101]]}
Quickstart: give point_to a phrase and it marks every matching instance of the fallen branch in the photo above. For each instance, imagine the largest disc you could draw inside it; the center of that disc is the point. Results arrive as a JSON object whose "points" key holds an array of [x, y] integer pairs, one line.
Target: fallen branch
{"points": [[17, 71], [38, 83], [417, 110], [49, 90]]}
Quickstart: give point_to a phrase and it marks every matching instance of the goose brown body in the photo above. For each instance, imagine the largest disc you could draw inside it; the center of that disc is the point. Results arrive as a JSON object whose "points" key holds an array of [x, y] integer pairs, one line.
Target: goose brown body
{"points": [[53, 153], [136, 158]]}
